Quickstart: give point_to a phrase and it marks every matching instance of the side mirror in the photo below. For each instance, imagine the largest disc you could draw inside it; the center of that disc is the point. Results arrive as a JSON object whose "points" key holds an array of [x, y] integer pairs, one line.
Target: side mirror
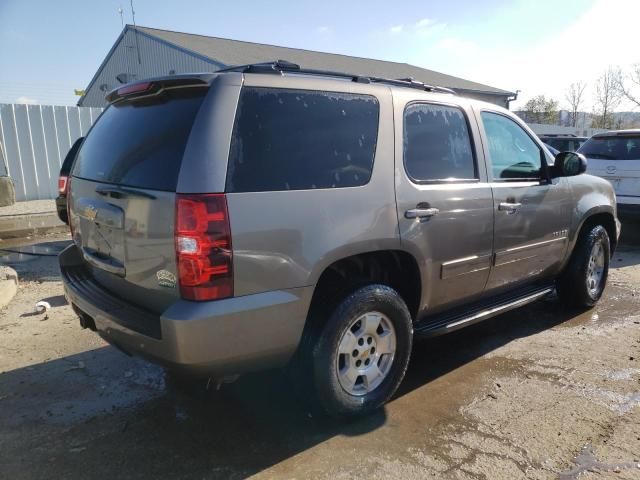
{"points": [[570, 164]]}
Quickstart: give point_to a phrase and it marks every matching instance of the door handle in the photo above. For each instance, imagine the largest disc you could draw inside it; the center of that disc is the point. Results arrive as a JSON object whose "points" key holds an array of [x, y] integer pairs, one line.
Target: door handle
{"points": [[421, 212], [509, 207]]}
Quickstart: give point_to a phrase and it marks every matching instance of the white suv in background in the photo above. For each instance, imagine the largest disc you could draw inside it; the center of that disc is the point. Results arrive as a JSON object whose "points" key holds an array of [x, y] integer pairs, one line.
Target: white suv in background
{"points": [[615, 156]]}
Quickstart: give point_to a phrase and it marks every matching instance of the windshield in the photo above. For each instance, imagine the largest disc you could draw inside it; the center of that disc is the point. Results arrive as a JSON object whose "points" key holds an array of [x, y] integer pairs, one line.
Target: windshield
{"points": [[612, 148]]}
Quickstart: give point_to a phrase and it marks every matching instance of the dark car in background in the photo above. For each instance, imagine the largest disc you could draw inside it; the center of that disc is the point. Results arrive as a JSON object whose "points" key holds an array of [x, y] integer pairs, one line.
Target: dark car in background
{"points": [[63, 180], [563, 143], [554, 151]]}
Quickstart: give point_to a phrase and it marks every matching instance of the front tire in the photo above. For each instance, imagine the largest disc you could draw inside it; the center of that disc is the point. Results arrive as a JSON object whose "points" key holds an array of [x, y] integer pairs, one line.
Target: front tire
{"points": [[585, 277], [363, 351]]}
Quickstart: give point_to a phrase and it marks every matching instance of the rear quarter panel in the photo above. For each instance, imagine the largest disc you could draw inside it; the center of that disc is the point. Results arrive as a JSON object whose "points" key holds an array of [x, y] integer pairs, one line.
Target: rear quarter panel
{"points": [[285, 239]]}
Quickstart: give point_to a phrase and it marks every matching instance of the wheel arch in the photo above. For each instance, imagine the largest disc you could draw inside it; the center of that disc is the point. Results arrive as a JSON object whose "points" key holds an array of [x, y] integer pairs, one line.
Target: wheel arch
{"points": [[599, 215], [396, 268]]}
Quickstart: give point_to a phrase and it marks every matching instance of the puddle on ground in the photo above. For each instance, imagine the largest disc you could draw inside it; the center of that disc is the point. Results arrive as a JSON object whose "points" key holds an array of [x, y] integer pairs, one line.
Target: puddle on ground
{"points": [[613, 401], [624, 374], [618, 303], [586, 461], [30, 252]]}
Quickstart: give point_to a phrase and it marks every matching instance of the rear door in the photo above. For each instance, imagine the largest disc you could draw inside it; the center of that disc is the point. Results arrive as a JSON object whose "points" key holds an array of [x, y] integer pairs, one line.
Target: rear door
{"points": [[617, 159], [122, 199], [445, 207]]}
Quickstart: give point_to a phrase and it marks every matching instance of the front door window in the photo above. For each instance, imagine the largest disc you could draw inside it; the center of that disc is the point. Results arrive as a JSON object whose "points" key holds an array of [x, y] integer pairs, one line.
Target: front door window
{"points": [[512, 152]]}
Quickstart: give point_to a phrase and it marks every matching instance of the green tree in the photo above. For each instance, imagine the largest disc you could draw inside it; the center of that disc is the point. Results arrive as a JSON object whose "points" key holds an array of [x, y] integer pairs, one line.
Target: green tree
{"points": [[574, 97], [541, 109], [628, 84], [607, 98]]}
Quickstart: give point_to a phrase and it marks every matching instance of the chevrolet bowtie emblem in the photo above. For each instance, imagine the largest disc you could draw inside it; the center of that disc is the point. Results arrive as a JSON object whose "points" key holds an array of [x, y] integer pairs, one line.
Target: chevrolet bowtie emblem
{"points": [[90, 212]]}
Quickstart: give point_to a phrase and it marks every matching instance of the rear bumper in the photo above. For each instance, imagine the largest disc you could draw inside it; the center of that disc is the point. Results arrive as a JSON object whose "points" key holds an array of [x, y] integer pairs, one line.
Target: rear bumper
{"points": [[225, 337], [628, 206]]}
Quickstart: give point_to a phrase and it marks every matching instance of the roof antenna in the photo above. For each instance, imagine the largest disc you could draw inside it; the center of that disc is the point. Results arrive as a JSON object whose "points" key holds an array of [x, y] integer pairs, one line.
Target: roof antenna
{"points": [[135, 30], [121, 12]]}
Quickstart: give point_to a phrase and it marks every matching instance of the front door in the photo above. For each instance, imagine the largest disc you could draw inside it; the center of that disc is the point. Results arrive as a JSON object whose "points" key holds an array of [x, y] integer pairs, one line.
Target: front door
{"points": [[445, 207], [532, 212]]}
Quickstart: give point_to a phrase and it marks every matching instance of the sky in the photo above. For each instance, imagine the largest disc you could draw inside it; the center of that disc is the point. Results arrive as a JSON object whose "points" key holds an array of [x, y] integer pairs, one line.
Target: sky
{"points": [[48, 48]]}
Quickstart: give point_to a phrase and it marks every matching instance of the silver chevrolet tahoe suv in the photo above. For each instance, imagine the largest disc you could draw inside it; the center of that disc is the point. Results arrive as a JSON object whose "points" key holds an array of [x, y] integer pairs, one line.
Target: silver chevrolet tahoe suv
{"points": [[269, 215]]}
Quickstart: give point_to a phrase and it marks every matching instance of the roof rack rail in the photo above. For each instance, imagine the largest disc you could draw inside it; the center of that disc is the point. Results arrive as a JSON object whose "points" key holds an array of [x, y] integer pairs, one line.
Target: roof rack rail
{"points": [[281, 66], [411, 82], [558, 135]]}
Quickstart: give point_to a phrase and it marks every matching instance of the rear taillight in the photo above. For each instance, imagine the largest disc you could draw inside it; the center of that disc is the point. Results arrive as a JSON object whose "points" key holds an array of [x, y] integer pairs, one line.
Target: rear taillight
{"points": [[63, 184], [203, 247]]}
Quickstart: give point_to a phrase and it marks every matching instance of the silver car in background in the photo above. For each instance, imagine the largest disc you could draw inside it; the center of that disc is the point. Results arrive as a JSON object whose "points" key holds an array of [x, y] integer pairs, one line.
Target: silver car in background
{"points": [[615, 156]]}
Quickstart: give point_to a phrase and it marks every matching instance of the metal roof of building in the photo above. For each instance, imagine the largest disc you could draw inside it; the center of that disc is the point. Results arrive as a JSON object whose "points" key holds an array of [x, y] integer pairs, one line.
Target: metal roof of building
{"points": [[237, 52]]}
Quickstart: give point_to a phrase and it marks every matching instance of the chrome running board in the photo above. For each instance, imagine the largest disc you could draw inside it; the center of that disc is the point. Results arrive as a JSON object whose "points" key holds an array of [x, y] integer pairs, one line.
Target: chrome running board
{"points": [[461, 317]]}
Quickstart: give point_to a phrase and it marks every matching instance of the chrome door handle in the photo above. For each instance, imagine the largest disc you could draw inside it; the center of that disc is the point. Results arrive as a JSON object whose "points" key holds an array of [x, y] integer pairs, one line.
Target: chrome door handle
{"points": [[421, 212], [509, 207]]}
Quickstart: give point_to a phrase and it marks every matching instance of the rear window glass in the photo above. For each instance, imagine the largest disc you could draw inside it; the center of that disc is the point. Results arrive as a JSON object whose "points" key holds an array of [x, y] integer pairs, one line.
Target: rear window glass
{"points": [[71, 155], [300, 139], [437, 145], [612, 148], [140, 143]]}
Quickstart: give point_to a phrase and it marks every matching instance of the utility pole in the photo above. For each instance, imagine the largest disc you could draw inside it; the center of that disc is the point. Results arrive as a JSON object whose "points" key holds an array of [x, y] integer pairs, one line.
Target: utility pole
{"points": [[135, 30]]}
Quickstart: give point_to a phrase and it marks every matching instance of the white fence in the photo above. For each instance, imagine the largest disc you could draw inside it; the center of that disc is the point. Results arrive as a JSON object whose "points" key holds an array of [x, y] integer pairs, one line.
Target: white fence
{"points": [[35, 140]]}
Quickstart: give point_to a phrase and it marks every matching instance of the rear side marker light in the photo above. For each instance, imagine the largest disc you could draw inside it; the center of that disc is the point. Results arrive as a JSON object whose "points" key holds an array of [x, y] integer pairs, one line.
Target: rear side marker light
{"points": [[203, 247]]}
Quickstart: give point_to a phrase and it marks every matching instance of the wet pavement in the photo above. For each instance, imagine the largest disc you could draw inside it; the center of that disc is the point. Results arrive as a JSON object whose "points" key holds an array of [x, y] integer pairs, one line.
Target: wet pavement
{"points": [[539, 393]]}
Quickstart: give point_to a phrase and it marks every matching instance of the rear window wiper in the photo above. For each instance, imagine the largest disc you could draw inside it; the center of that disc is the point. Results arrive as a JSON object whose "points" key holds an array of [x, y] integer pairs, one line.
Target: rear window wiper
{"points": [[120, 192]]}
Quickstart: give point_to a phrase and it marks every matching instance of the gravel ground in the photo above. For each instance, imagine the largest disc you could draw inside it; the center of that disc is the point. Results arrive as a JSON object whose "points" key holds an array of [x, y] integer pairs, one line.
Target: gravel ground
{"points": [[538, 393]]}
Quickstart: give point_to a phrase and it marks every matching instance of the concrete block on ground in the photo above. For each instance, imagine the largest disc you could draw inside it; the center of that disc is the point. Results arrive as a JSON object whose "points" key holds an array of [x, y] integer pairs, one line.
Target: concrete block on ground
{"points": [[8, 285], [7, 191]]}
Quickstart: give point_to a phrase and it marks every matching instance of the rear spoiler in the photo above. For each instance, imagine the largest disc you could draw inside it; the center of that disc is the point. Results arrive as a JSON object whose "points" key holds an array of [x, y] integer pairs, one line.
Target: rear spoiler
{"points": [[154, 86]]}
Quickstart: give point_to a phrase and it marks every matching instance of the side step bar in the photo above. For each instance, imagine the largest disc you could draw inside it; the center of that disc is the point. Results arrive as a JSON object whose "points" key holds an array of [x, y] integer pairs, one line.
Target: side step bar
{"points": [[458, 318]]}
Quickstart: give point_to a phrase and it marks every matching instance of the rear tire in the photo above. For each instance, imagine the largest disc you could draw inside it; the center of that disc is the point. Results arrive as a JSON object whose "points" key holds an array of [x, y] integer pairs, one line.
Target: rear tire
{"points": [[585, 277], [362, 352]]}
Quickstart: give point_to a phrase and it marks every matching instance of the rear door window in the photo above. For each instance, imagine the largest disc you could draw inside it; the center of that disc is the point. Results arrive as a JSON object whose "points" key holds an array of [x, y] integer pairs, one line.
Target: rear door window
{"points": [[612, 148], [300, 139], [437, 145], [140, 143]]}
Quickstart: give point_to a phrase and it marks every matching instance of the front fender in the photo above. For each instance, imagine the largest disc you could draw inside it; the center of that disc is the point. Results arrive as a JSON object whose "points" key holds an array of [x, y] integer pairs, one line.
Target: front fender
{"points": [[592, 196]]}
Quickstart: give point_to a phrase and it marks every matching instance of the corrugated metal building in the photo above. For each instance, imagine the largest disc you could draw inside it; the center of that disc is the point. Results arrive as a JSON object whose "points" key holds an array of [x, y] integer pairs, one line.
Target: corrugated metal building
{"points": [[141, 52]]}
